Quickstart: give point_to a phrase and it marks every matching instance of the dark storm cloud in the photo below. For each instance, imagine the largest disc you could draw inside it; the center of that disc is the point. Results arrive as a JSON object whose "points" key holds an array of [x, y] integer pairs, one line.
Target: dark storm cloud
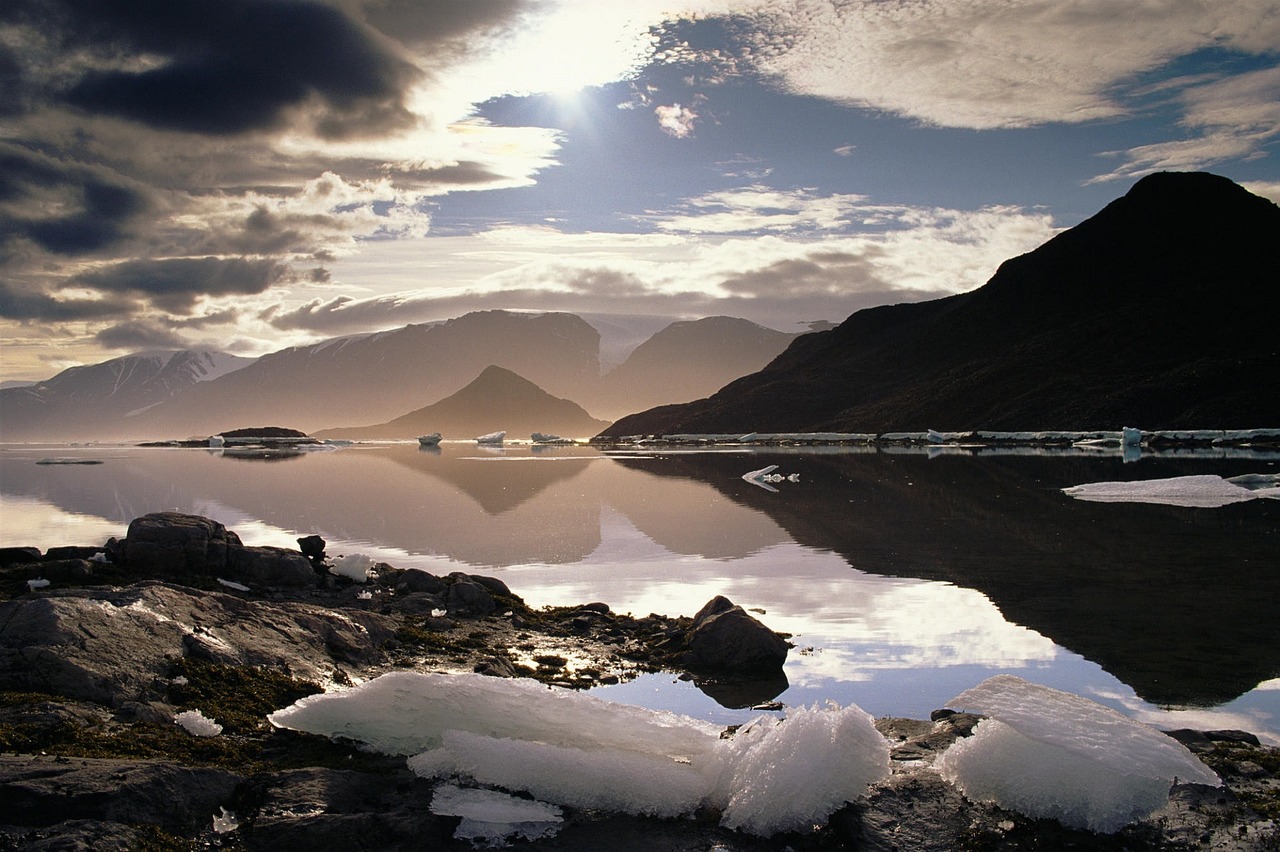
{"points": [[140, 334], [176, 283], [436, 21], [17, 304], [222, 67], [90, 209]]}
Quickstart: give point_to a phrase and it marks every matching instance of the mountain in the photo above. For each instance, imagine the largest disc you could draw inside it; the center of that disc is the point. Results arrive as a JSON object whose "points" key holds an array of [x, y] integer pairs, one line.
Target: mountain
{"points": [[1157, 312], [687, 361], [375, 377], [88, 402], [497, 399]]}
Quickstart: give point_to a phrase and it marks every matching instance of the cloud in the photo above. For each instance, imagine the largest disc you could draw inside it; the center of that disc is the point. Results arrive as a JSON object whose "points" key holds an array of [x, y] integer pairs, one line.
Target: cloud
{"points": [[989, 63], [63, 208], [176, 284], [1230, 118], [140, 334], [676, 120], [219, 67], [25, 305]]}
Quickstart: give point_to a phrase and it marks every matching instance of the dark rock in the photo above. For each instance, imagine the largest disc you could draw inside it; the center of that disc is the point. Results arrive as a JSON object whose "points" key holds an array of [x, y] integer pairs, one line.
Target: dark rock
{"points": [[466, 597], [63, 570], [274, 567], [596, 606], [419, 581], [18, 556], [46, 791], [312, 547], [496, 667], [421, 603], [725, 637], [335, 809], [493, 584], [171, 543], [1233, 736], [72, 552]]}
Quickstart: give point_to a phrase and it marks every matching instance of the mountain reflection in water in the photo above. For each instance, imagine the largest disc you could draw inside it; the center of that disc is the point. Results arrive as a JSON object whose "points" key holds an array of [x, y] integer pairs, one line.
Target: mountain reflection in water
{"points": [[904, 578]]}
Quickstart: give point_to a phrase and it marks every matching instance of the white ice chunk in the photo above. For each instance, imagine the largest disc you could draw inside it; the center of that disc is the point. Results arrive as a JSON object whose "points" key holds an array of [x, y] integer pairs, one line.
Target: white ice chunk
{"points": [[1047, 753], [37, 583], [197, 724], [1199, 491], [490, 818], [574, 749], [356, 566], [607, 778], [792, 775], [408, 712], [225, 822], [231, 584]]}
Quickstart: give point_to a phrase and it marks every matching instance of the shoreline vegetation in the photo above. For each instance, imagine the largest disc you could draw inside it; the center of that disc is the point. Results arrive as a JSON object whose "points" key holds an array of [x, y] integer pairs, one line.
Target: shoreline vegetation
{"points": [[136, 679]]}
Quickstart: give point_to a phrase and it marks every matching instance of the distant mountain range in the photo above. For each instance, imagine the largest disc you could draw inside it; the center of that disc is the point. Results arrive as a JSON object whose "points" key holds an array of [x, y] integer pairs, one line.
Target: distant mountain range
{"points": [[1158, 312], [76, 402], [376, 378], [498, 400]]}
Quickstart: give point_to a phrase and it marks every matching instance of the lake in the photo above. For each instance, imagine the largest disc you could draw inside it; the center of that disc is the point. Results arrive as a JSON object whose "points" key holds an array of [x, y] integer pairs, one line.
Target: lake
{"points": [[904, 576]]}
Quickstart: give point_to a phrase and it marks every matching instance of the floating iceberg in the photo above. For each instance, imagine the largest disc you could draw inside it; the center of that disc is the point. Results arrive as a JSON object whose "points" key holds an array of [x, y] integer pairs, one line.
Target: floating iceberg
{"points": [[573, 749], [492, 438], [1046, 753], [1199, 491]]}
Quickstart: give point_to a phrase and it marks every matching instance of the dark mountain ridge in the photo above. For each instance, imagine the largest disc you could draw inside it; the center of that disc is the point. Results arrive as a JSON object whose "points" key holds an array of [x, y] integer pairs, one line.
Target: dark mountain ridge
{"points": [[1157, 312]]}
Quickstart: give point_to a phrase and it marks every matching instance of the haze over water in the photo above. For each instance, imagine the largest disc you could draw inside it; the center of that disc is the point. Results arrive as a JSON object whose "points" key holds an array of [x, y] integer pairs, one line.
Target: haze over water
{"points": [[904, 579]]}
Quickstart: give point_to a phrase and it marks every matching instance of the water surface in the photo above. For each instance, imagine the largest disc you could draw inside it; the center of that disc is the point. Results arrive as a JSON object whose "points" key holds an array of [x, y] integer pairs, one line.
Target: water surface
{"points": [[905, 577]]}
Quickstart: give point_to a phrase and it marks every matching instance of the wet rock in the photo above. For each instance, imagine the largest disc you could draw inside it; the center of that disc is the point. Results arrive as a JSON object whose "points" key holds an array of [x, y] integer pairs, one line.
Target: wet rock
{"points": [[413, 581], [312, 547], [724, 636]]}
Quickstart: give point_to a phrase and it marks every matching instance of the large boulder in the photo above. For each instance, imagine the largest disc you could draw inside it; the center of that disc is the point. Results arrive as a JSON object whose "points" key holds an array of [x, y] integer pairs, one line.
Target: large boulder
{"points": [[270, 566], [724, 637], [171, 543]]}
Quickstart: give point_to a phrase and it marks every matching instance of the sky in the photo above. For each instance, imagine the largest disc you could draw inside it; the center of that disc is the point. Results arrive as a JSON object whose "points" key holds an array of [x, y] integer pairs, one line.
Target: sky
{"points": [[247, 175]]}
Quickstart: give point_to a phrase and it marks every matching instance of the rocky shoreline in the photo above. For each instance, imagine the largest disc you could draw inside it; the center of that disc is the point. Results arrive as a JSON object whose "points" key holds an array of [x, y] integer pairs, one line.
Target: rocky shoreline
{"points": [[102, 648]]}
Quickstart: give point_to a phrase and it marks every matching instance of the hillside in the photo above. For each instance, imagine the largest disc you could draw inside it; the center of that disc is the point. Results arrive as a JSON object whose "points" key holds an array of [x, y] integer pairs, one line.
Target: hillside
{"points": [[687, 361], [1157, 312], [497, 399]]}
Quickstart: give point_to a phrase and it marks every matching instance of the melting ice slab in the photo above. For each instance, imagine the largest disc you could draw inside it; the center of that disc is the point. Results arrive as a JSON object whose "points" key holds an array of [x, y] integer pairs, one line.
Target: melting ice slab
{"points": [[573, 749], [1046, 753], [1202, 491]]}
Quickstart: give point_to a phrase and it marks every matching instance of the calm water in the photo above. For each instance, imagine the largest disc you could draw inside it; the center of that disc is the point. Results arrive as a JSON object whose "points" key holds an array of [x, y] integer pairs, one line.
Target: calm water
{"points": [[904, 578]]}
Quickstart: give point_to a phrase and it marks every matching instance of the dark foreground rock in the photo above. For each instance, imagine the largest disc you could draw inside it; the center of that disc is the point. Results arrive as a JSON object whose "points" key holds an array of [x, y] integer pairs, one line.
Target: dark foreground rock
{"points": [[97, 665]]}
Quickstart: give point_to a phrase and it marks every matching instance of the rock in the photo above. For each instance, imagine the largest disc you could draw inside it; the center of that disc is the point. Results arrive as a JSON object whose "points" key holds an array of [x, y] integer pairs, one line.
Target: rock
{"points": [[111, 646], [10, 556], [172, 544], [726, 637], [41, 791], [493, 584], [273, 567], [312, 547], [467, 597], [62, 570], [419, 581]]}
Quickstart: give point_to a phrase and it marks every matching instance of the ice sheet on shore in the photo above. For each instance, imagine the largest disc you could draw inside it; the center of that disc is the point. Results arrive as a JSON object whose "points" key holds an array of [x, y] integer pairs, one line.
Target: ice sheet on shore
{"points": [[1199, 491], [1046, 753], [573, 749]]}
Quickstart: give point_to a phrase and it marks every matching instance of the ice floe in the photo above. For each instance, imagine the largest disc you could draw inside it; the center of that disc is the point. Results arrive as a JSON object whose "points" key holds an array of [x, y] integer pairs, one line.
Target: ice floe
{"points": [[1198, 491], [573, 749], [1047, 753]]}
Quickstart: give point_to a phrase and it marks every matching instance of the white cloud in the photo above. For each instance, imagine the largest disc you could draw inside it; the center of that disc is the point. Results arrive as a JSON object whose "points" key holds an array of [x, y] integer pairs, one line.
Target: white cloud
{"points": [[993, 63], [1232, 118], [675, 120]]}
